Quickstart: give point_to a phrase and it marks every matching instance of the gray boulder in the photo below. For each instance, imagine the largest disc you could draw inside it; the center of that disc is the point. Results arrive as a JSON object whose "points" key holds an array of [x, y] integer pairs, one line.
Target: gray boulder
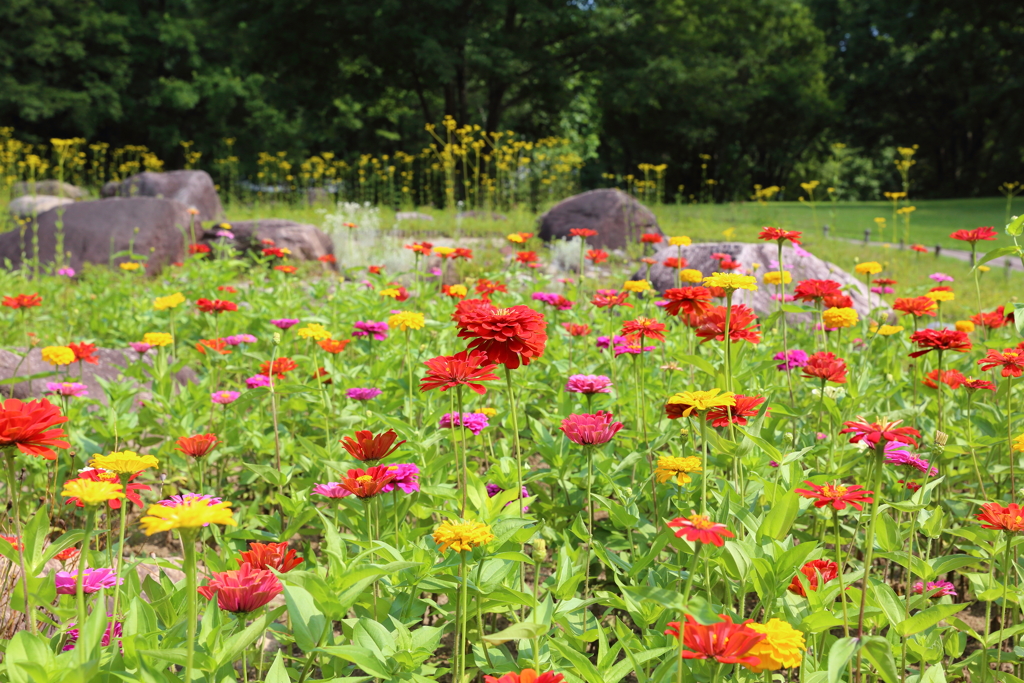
{"points": [[194, 189], [305, 242], [618, 218], [413, 216], [50, 187], [802, 264], [93, 231], [29, 206]]}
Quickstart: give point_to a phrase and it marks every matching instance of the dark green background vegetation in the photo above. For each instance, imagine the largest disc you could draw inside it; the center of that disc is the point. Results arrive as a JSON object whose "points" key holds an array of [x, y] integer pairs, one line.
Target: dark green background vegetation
{"points": [[765, 87]]}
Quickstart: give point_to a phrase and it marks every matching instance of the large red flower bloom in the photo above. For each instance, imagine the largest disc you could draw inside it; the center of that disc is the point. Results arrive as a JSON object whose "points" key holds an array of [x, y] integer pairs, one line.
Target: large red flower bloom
{"points": [[197, 446], [469, 307], [673, 262], [713, 325], [779, 235], [953, 378], [815, 290], [873, 432], [370, 447], [242, 590], [818, 573], [746, 406], [84, 352], [131, 492], [23, 301], [590, 430], [597, 256], [916, 306], [280, 366], [1011, 361], [837, 300], [700, 529], [509, 336], [270, 556], [216, 305], [463, 369], [725, 642], [694, 302], [836, 496], [643, 328], [527, 676], [993, 319], [827, 366], [1002, 518], [940, 340], [975, 236], [32, 427], [369, 482]]}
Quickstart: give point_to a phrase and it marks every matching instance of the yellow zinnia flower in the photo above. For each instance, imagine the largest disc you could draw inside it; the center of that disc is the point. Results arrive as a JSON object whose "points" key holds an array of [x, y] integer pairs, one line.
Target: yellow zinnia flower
{"points": [[868, 268], [679, 241], [887, 330], [670, 466], [1018, 443], [444, 251], [92, 492], [462, 535], [189, 515], [407, 320], [124, 462], [489, 412], [964, 326], [58, 355], [515, 237], [984, 269], [157, 339], [731, 281], [636, 286], [162, 303], [682, 405], [772, 277], [129, 265], [782, 647], [690, 275], [314, 331], [940, 295], [839, 317]]}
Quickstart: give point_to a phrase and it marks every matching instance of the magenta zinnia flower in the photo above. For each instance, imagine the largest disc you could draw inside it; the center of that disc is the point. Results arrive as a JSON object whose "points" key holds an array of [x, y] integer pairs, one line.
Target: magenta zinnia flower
{"points": [[935, 589], [475, 422], [588, 384], [897, 454], [236, 339], [257, 381], [285, 323], [92, 581], [796, 358], [607, 342], [590, 430], [139, 347], [366, 328], [224, 397], [363, 393], [72, 634], [183, 498], [331, 489], [76, 389], [406, 477]]}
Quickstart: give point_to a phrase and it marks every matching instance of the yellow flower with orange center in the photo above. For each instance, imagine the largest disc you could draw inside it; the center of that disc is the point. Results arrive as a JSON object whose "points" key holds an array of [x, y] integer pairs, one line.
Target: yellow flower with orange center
{"points": [[671, 466]]}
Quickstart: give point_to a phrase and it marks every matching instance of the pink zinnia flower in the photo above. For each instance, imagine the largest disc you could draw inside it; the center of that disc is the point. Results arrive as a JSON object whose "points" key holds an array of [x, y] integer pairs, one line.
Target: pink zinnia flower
{"points": [[236, 339], [92, 581], [257, 381], [607, 342], [76, 389], [224, 397], [331, 489], [590, 430], [139, 347], [72, 635], [242, 590], [897, 454], [406, 477], [183, 498], [366, 328], [475, 422], [285, 323], [588, 384], [935, 589], [363, 393]]}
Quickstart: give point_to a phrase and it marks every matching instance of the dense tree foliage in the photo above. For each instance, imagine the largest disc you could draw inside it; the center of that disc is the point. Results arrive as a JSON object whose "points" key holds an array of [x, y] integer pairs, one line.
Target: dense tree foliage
{"points": [[761, 88]]}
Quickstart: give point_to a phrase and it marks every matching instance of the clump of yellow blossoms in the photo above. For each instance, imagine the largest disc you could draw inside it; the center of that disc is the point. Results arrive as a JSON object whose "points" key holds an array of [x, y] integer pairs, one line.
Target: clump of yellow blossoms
{"points": [[407, 320], [461, 536], [157, 339], [162, 303], [58, 355], [731, 281]]}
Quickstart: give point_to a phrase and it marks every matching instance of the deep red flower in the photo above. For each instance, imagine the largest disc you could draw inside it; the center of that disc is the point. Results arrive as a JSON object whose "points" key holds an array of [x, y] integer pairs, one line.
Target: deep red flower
{"points": [[461, 252], [85, 352], [197, 446], [916, 306], [1002, 518], [940, 340], [218, 345], [836, 496], [643, 328], [198, 249], [227, 288], [470, 307], [526, 256], [837, 300], [216, 305], [746, 406], [815, 290], [953, 378], [975, 236], [370, 447], [333, 345], [873, 432], [1011, 361], [674, 262], [694, 302], [509, 336], [131, 492], [818, 573], [725, 642], [582, 232], [827, 366], [281, 365], [597, 256], [650, 238], [975, 384], [712, 326], [466, 368], [993, 319], [576, 330], [728, 264], [485, 288], [779, 235], [270, 556], [322, 376], [374, 270], [700, 528], [23, 301], [242, 590], [369, 482], [527, 676], [32, 427], [277, 252], [884, 281], [611, 300]]}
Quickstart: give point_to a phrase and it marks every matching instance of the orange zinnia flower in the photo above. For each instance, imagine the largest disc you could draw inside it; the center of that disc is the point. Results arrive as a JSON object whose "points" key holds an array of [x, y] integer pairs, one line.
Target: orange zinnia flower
{"points": [[32, 427], [334, 345], [940, 340], [695, 302], [527, 676], [216, 305], [995, 516], [746, 406], [712, 326], [271, 556], [643, 328], [700, 528], [916, 306], [597, 256], [509, 336], [218, 345], [650, 238], [611, 300], [779, 235], [370, 447], [197, 446], [725, 642], [85, 352], [23, 301], [816, 290], [582, 232], [466, 368], [367, 483], [993, 319], [576, 330], [280, 366], [526, 256], [818, 573], [827, 366], [1011, 361]]}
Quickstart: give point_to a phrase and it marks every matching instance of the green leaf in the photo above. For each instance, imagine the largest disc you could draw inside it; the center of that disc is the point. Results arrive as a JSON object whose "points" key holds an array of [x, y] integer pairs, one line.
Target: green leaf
{"points": [[888, 601], [839, 655], [583, 666], [1012, 250], [361, 657], [887, 534], [524, 630], [28, 658], [879, 652], [277, 672], [780, 518], [1016, 226], [308, 622], [927, 618], [934, 674]]}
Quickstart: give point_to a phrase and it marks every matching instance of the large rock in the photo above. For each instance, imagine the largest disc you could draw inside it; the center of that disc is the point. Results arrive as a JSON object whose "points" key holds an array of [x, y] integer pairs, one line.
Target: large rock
{"points": [[305, 242], [802, 264], [30, 206], [94, 230], [194, 189], [618, 218], [50, 187]]}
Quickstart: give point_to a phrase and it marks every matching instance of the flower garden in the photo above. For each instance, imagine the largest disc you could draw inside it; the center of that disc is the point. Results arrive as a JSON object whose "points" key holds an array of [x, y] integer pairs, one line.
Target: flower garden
{"points": [[516, 477]]}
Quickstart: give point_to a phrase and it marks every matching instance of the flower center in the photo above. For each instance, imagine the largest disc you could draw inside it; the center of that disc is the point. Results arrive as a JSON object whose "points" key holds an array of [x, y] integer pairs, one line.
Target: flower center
{"points": [[365, 478], [834, 490], [701, 521]]}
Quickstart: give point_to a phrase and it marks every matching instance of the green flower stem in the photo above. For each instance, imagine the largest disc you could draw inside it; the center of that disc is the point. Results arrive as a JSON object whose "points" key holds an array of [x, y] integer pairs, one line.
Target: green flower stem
{"points": [[839, 561], [704, 464], [728, 340], [869, 541], [782, 316], [464, 465], [588, 453], [324, 401], [970, 443], [461, 609], [188, 543], [1007, 560], [480, 616], [12, 492], [693, 570], [120, 554], [1009, 437], [83, 560]]}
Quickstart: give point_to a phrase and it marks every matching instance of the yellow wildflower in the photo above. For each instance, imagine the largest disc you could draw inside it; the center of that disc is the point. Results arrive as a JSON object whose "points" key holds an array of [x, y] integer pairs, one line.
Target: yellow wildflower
{"points": [[868, 268], [157, 339], [690, 275], [679, 241], [314, 331], [462, 535], [407, 320], [984, 269], [92, 492], [489, 412], [391, 292], [129, 265], [940, 296], [685, 403], [887, 330], [782, 647], [964, 326], [731, 281], [515, 237], [444, 251], [636, 286], [772, 277], [670, 466], [458, 290], [190, 515], [58, 355], [1018, 443], [124, 462], [162, 303], [839, 317]]}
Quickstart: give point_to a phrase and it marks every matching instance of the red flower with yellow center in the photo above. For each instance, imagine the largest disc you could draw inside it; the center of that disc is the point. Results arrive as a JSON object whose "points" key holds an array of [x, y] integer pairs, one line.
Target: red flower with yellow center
{"points": [[712, 326], [827, 366], [218, 345], [643, 328], [975, 236], [694, 302], [815, 290], [725, 642], [701, 529], [940, 340], [611, 300], [31, 427], [746, 406], [1002, 518], [673, 262], [597, 256], [333, 345], [422, 248], [85, 353], [953, 378], [367, 483], [470, 307], [485, 288], [836, 496], [975, 384], [779, 235], [508, 336], [465, 368], [993, 319], [917, 306], [875, 432], [1010, 361], [216, 305]]}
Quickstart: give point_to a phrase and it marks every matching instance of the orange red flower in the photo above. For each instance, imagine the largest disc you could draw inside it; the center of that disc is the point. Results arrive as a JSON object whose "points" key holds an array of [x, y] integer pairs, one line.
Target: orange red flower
{"points": [[610, 299], [216, 305], [643, 328], [779, 235], [197, 446], [940, 340], [836, 496], [242, 590], [1002, 517], [582, 232], [85, 352], [370, 447], [576, 330], [993, 319], [20, 301], [333, 345], [597, 256], [466, 368], [701, 529], [712, 326], [32, 427], [526, 256], [509, 336], [874, 432], [975, 236], [694, 302], [917, 306], [827, 366], [746, 406], [1009, 361], [218, 345], [280, 367], [815, 290], [527, 676], [818, 573], [725, 642], [369, 482], [270, 556]]}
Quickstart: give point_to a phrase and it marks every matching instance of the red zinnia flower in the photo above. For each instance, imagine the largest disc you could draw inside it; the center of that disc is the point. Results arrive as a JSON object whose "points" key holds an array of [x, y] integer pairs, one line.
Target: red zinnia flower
{"points": [[975, 384], [16, 544], [650, 238], [198, 249], [725, 642], [643, 328], [940, 340], [281, 365], [466, 368], [746, 406], [286, 269], [216, 305], [526, 256], [995, 516], [485, 288], [23, 301], [779, 235], [712, 326], [63, 555], [695, 302], [582, 232], [32, 427], [611, 300], [510, 336], [815, 290], [242, 590], [590, 430], [919, 248], [527, 676], [367, 483], [227, 288], [975, 236], [420, 247], [728, 264], [131, 492], [836, 495], [274, 251], [673, 262], [85, 352], [700, 528], [576, 330], [197, 446], [818, 573], [884, 281], [827, 366], [218, 345], [837, 300], [468, 308], [270, 556], [461, 252], [597, 256], [873, 432], [370, 447], [374, 270], [333, 345], [328, 258], [1010, 360], [993, 319], [916, 306], [953, 378]]}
